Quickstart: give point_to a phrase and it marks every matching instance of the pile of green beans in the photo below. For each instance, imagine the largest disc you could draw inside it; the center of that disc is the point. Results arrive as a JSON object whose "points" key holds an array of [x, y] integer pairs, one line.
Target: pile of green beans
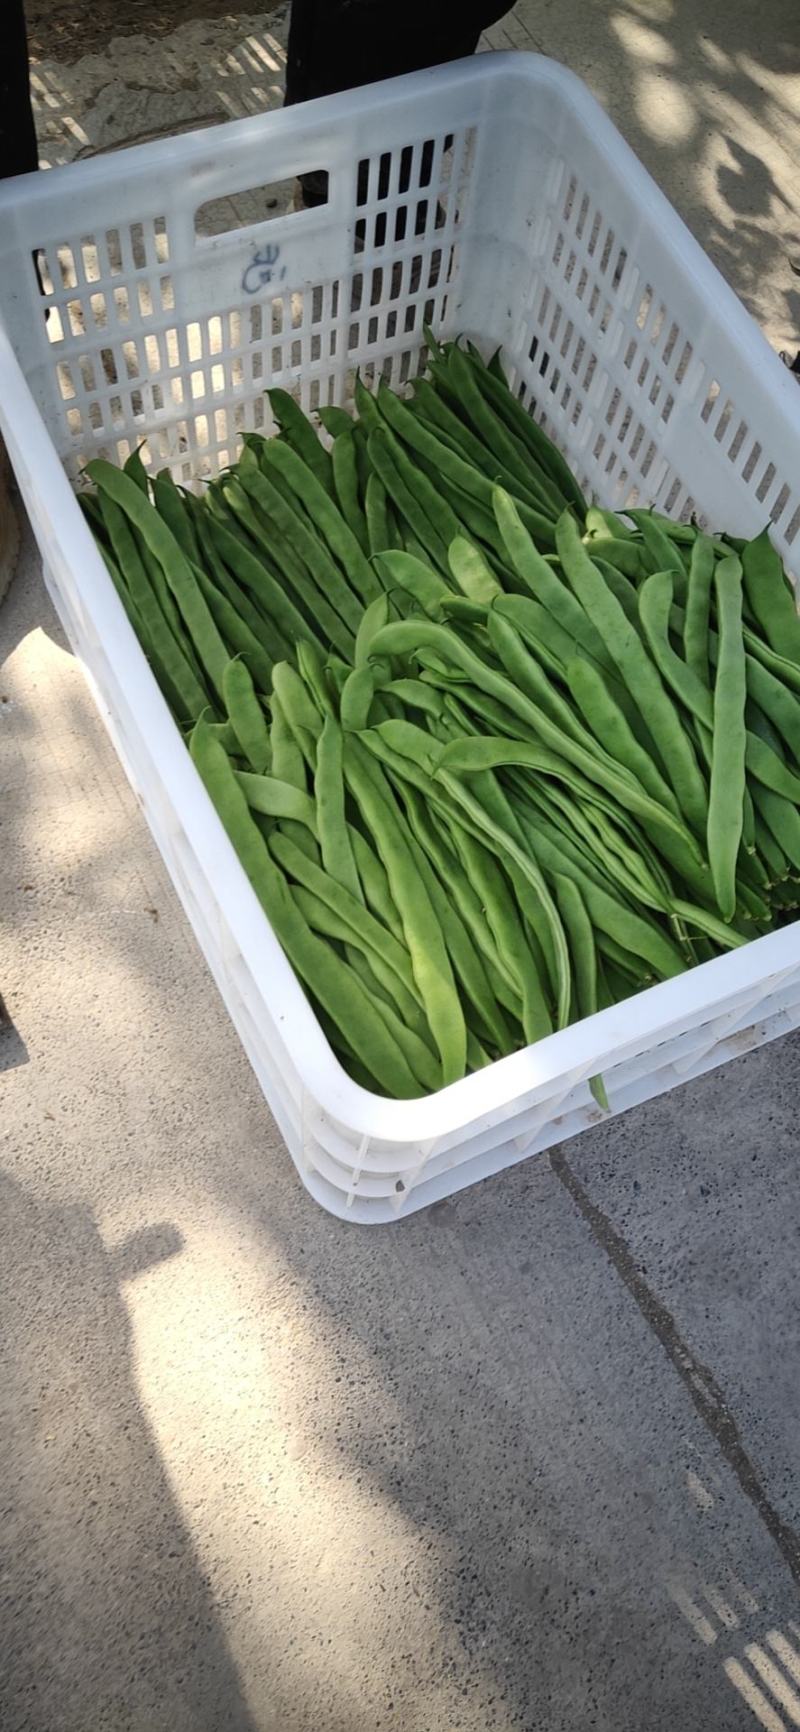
{"points": [[492, 757]]}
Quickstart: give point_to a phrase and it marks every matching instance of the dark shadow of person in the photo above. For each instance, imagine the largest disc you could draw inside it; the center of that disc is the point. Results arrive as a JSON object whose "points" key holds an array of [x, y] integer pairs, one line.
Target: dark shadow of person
{"points": [[106, 1621]]}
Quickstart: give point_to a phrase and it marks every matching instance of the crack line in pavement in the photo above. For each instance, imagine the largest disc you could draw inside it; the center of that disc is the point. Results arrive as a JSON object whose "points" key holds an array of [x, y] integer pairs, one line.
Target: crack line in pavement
{"points": [[705, 1393]]}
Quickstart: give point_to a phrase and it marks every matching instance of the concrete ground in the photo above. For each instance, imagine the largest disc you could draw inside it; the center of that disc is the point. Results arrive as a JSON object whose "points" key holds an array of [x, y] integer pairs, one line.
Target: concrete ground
{"points": [[529, 1460]]}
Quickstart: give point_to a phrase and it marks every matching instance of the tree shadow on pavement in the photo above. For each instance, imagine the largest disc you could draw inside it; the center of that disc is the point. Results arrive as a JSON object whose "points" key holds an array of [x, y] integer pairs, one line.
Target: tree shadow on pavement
{"points": [[107, 1619], [706, 94]]}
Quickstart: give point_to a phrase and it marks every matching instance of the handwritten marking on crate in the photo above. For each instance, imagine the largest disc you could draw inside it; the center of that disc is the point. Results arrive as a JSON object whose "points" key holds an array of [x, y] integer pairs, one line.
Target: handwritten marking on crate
{"points": [[263, 269]]}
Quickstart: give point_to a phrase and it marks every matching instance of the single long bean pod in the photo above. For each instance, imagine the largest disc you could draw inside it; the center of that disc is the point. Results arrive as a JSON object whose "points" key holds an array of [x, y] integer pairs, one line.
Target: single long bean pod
{"points": [[770, 599], [334, 419], [783, 669], [246, 715], [655, 610], [378, 532], [171, 504], [345, 475], [312, 667], [602, 525], [302, 717], [783, 823], [763, 762], [725, 936], [624, 557], [337, 853], [776, 863], [227, 737], [698, 605], [356, 699], [274, 798], [404, 571], [578, 927], [472, 572], [619, 585], [375, 883], [661, 553], [288, 764], [134, 467], [729, 745], [287, 760], [682, 533], [779, 705]]}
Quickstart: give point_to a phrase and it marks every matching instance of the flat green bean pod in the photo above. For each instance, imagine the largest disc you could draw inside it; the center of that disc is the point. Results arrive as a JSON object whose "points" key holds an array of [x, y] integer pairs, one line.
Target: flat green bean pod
{"points": [[727, 789], [771, 600], [429, 959], [246, 715], [638, 673], [335, 985]]}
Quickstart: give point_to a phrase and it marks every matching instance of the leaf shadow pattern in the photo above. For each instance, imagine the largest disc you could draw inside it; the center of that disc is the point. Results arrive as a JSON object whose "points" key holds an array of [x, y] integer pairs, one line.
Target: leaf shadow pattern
{"points": [[708, 96]]}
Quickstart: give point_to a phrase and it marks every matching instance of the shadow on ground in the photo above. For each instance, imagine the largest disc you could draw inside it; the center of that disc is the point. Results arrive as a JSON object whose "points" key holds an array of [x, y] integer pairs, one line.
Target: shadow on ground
{"points": [[707, 95], [110, 1616], [509, 1398]]}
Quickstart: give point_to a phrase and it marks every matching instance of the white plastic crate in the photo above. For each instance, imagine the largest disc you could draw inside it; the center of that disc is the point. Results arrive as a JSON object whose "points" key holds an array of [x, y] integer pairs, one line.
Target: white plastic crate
{"points": [[498, 201]]}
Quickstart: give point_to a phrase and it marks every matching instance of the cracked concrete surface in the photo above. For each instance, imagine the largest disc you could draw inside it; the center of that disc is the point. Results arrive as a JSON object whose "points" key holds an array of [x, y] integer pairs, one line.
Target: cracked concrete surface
{"points": [[528, 1461]]}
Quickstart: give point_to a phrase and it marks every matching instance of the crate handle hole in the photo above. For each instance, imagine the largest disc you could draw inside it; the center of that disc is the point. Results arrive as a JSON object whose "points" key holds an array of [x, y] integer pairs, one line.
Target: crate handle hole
{"points": [[254, 206]]}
